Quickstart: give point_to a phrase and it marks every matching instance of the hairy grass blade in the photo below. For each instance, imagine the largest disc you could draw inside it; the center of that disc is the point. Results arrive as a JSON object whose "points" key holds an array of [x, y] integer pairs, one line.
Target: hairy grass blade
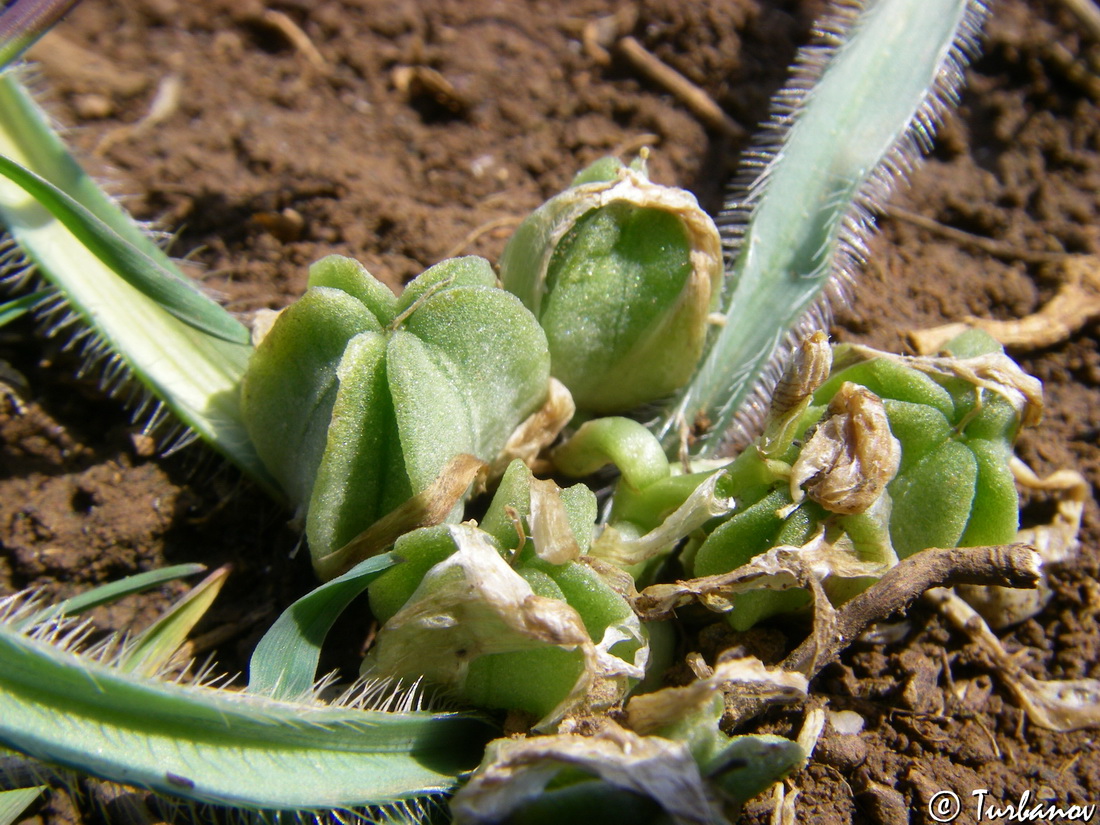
{"points": [[14, 803], [159, 642], [169, 289], [190, 354], [107, 593], [22, 22], [220, 747], [854, 119]]}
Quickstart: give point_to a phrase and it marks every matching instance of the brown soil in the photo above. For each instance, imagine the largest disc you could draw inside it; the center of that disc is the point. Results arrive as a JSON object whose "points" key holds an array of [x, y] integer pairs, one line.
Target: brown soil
{"points": [[273, 158]]}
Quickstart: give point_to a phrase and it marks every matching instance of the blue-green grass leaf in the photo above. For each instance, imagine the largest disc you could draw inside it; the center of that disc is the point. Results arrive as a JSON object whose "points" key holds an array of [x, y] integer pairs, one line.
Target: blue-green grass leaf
{"points": [[14, 803], [218, 746], [10, 310], [171, 291], [113, 591], [284, 664], [158, 643]]}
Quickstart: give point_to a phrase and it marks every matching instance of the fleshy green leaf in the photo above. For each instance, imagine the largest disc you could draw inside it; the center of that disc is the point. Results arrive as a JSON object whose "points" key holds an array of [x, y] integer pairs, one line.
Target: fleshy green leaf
{"points": [[357, 412], [995, 516], [932, 501], [291, 384]]}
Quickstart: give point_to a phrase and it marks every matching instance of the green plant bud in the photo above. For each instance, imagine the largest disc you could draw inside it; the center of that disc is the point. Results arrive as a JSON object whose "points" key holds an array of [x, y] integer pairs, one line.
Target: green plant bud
{"points": [[956, 417], [357, 400], [419, 551], [507, 616], [512, 504], [622, 274], [894, 455]]}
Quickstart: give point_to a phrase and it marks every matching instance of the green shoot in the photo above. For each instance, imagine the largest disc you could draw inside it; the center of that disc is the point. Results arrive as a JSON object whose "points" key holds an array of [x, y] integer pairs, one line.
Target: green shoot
{"points": [[13, 803], [17, 307], [91, 710]]}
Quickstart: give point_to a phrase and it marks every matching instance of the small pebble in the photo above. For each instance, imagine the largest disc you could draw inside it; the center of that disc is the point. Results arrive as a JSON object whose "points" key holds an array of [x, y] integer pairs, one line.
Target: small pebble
{"points": [[93, 106], [845, 752], [883, 804], [846, 721]]}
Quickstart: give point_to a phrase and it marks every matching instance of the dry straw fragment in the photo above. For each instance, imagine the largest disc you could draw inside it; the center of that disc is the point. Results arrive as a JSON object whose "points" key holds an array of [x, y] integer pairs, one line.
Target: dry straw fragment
{"points": [[1076, 303], [1055, 704]]}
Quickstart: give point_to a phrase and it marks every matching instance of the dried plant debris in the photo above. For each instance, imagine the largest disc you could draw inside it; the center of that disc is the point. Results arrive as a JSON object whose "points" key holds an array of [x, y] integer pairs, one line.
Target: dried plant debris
{"points": [[672, 757], [806, 370], [516, 772], [1056, 704], [701, 506], [851, 455], [1076, 303], [835, 630], [994, 372], [781, 568], [1057, 544], [663, 709]]}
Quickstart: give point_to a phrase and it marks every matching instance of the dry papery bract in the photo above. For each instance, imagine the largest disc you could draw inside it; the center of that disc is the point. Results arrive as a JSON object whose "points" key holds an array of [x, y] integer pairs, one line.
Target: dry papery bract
{"points": [[474, 604], [516, 771], [992, 372]]}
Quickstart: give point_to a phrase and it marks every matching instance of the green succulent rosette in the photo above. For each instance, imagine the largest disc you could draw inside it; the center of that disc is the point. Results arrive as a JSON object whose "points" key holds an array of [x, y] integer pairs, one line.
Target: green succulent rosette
{"points": [[622, 274], [886, 456], [865, 457], [357, 400], [957, 417]]}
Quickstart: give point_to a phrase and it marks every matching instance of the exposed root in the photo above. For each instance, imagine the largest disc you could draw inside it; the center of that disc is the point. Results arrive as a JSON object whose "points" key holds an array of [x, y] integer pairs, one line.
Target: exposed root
{"points": [[471, 237], [292, 32], [990, 246], [1009, 566], [1056, 704], [1088, 13]]}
